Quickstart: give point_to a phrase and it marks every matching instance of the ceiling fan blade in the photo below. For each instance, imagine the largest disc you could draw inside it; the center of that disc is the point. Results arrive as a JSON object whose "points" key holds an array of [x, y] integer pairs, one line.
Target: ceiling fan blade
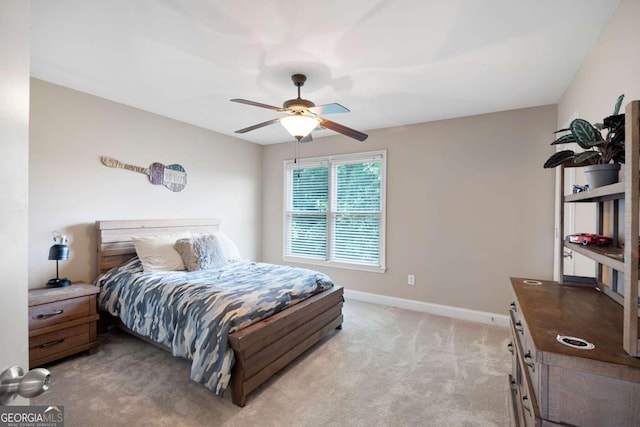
{"points": [[258, 126], [257, 104], [329, 109], [352, 133], [307, 138]]}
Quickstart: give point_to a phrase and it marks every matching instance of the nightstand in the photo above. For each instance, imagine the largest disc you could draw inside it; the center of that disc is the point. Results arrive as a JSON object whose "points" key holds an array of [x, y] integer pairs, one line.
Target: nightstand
{"points": [[62, 322]]}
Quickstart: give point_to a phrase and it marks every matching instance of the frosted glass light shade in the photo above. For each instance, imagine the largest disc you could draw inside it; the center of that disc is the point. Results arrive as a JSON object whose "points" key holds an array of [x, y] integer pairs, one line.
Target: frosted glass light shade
{"points": [[299, 126]]}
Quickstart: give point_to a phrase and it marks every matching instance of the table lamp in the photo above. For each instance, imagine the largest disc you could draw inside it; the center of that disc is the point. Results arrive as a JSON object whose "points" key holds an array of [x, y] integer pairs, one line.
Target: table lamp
{"points": [[59, 251]]}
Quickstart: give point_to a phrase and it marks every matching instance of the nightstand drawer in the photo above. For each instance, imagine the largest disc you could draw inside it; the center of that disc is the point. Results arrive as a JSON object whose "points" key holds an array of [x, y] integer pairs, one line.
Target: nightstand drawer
{"points": [[57, 312], [47, 346], [62, 322]]}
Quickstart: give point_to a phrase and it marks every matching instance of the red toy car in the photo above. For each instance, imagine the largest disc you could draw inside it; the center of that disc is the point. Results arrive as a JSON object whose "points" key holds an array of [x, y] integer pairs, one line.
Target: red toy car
{"points": [[589, 239]]}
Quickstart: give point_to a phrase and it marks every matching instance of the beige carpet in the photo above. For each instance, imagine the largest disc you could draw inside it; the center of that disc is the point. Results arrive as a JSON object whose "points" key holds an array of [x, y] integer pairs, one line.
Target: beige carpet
{"points": [[386, 367]]}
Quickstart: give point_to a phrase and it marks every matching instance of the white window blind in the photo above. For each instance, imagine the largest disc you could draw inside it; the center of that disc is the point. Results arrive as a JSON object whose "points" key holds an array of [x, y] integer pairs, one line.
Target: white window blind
{"points": [[335, 210], [307, 215]]}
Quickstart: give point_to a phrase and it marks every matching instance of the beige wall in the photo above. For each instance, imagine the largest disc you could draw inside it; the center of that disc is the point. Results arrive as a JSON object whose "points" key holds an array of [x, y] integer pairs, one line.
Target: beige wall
{"points": [[14, 146], [468, 206], [70, 189], [612, 68]]}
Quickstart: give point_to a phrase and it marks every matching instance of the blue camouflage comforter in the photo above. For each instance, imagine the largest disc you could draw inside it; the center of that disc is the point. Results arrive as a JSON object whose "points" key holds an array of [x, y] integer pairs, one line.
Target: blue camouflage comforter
{"points": [[193, 312]]}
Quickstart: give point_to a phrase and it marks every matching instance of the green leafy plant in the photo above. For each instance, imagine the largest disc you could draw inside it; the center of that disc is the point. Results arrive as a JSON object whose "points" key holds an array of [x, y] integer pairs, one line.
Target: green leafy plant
{"points": [[598, 149]]}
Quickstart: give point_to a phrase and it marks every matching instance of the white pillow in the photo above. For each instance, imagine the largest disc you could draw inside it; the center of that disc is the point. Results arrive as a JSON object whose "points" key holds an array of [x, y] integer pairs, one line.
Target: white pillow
{"points": [[233, 254], [156, 252]]}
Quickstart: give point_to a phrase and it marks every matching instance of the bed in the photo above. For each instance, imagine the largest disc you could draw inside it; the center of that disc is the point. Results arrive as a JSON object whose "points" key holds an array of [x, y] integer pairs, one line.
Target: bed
{"points": [[260, 349]]}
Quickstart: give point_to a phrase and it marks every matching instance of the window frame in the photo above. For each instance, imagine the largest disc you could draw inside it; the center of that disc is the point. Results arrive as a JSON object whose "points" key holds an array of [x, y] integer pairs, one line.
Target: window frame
{"points": [[331, 213]]}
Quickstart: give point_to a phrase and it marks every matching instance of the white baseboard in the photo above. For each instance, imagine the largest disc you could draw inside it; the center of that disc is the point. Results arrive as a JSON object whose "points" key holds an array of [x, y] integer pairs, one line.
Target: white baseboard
{"points": [[426, 307]]}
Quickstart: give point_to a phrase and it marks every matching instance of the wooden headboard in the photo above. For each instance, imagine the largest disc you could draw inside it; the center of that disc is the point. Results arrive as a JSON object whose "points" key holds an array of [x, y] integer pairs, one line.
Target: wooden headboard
{"points": [[114, 237]]}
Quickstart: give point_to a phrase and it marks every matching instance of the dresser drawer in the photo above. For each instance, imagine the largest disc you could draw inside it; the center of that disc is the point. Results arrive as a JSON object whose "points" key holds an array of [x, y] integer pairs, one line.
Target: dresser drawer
{"points": [[528, 403], [56, 312], [520, 325], [525, 372], [516, 405], [529, 354], [50, 346]]}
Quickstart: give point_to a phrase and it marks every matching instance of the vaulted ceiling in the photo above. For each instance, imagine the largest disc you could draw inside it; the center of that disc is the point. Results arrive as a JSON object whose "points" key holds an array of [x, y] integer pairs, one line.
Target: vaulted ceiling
{"points": [[391, 62]]}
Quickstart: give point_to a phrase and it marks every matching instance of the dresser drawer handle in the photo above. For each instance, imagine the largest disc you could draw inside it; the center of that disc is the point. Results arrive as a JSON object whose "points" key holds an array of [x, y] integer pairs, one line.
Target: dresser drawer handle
{"points": [[528, 360], [52, 343], [519, 327], [510, 347], [525, 404], [46, 316], [513, 307], [514, 387]]}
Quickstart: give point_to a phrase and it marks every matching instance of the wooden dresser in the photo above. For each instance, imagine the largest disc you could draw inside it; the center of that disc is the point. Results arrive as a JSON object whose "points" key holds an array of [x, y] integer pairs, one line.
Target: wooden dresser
{"points": [[554, 384], [62, 321]]}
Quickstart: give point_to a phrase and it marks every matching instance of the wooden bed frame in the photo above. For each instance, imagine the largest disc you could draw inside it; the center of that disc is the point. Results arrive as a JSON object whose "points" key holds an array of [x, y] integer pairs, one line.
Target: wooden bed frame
{"points": [[260, 350]]}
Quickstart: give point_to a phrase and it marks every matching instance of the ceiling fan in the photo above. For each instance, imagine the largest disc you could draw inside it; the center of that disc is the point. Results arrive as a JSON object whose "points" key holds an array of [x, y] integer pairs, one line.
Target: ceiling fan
{"points": [[303, 116]]}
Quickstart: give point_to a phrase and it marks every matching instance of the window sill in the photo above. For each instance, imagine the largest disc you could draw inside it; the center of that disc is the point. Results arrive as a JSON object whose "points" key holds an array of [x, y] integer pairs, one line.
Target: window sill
{"points": [[335, 264]]}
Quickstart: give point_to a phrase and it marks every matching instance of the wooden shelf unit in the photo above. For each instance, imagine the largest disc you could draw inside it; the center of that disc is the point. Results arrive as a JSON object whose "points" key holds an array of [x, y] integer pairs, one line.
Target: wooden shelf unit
{"points": [[620, 259], [600, 194]]}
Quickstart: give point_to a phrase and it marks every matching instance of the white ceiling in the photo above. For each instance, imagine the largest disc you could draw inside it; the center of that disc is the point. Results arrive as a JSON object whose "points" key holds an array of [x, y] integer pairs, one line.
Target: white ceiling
{"points": [[391, 62]]}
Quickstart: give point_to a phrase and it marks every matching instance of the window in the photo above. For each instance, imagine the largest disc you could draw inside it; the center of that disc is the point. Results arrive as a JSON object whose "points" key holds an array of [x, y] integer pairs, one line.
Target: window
{"points": [[335, 211]]}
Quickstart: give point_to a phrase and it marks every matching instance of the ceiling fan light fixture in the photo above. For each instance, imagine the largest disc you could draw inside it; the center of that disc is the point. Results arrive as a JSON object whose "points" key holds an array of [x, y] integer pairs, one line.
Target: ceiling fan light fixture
{"points": [[299, 126], [303, 116]]}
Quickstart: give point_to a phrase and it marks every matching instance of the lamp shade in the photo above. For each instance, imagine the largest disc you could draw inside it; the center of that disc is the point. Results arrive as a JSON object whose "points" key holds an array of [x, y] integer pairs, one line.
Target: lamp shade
{"points": [[58, 252], [299, 126]]}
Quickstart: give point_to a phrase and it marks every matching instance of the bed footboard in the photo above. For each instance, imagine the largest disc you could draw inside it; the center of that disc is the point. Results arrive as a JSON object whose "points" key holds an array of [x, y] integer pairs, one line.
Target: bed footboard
{"points": [[262, 349]]}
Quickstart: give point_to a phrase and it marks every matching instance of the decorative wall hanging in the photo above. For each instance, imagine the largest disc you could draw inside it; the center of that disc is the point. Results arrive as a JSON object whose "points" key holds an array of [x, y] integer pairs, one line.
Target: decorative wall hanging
{"points": [[174, 177]]}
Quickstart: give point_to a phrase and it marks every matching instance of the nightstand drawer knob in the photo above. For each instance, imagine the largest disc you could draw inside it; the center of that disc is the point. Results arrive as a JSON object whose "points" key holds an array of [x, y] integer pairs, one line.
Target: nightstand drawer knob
{"points": [[510, 347], [52, 343], [46, 316]]}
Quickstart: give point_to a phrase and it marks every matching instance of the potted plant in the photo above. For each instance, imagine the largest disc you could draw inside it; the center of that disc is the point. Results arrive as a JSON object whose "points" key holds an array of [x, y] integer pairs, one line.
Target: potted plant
{"points": [[602, 155]]}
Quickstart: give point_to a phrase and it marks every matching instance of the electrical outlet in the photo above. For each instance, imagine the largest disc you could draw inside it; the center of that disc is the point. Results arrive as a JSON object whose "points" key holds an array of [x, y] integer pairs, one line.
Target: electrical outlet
{"points": [[411, 280]]}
